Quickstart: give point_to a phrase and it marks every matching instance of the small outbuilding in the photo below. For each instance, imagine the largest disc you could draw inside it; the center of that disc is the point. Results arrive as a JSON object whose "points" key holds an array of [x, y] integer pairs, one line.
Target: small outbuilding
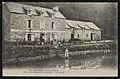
{"points": [[82, 30]]}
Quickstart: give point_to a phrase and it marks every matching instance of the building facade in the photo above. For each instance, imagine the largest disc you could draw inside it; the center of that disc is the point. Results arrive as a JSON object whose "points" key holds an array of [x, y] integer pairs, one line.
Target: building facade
{"points": [[31, 23], [82, 30]]}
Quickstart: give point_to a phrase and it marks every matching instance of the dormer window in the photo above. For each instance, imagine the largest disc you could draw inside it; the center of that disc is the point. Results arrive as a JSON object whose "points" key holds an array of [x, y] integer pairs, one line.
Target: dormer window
{"points": [[29, 12], [39, 12], [42, 24], [42, 13], [51, 14]]}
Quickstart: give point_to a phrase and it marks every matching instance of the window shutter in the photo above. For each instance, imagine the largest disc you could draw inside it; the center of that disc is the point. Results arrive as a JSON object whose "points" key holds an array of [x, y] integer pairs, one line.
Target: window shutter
{"points": [[26, 39], [32, 37], [29, 12], [31, 23], [26, 23], [42, 24], [54, 25], [55, 36]]}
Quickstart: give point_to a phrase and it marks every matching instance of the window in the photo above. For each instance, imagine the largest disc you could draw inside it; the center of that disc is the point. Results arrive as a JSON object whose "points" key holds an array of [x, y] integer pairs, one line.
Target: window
{"points": [[78, 35], [29, 12], [42, 24], [72, 36], [42, 13], [53, 25], [29, 37], [29, 23], [86, 35]]}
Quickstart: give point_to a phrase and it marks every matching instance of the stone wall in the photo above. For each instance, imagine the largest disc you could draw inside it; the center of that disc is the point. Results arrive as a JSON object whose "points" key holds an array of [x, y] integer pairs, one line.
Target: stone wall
{"points": [[98, 35], [87, 34], [5, 23], [18, 23], [67, 34], [83, 34]]}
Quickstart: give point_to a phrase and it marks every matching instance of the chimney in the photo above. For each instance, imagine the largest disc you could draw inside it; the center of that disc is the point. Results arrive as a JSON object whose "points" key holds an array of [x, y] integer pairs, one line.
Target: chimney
{"points": [[56, 8]]}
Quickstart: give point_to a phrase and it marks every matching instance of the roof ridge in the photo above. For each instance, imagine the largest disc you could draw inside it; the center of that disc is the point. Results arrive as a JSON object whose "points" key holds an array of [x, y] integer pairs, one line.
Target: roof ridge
{"points": [[80, 21], [28, 5], [13, 8]]}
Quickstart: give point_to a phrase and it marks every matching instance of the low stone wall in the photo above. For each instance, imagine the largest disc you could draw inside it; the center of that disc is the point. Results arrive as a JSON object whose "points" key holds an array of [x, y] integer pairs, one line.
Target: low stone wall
{"points": [[29, 52], [88, 52], [22, 59]]}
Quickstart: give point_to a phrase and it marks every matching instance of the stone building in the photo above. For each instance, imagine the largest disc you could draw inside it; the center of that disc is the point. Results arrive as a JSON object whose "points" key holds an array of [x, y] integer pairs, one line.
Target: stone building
{"points": [[82, 30], [31, 23]]}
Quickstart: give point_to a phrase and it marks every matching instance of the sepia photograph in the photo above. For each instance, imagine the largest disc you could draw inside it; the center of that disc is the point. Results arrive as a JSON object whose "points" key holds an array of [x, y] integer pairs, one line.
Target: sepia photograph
{"points": [[60, 39]]}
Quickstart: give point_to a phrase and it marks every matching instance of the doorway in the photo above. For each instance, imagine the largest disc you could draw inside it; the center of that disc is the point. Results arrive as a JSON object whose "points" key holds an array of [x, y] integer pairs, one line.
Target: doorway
{"points": [[92, 36], [29, 37], [72, 36], [42, 35]]}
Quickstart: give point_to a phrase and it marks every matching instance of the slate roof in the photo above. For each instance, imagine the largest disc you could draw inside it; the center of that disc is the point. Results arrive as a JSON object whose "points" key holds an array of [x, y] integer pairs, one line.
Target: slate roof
{"points": [[82, 25], [67, 26], [19, 8], [72, 24], [92, 26]]}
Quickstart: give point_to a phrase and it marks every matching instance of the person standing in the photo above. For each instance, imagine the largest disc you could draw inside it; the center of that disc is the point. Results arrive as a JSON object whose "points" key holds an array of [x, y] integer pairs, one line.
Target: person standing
{"points": [[66, 58]]}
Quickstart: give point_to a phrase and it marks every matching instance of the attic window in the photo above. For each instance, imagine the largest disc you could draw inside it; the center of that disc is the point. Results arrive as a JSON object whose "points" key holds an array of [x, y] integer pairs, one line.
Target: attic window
{"points": [[29, 12], [42, 13]]}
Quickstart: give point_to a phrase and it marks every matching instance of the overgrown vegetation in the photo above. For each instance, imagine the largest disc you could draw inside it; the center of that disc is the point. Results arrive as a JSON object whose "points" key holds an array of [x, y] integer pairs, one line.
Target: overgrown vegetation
{"points": [[21, 53]]}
